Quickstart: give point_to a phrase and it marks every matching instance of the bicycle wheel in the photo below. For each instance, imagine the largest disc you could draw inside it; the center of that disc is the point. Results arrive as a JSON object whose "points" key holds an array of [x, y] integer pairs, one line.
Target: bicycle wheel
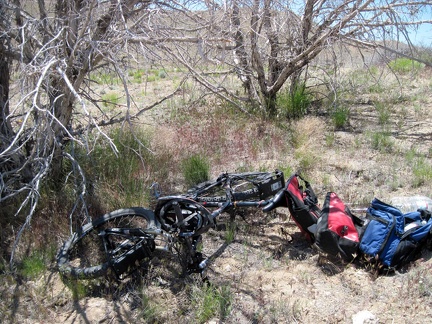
{"points": [[91, 251]]}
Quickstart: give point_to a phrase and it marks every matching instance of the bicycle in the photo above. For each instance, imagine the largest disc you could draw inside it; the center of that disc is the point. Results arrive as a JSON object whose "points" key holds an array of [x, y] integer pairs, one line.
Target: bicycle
{"points": [[124, 240]]}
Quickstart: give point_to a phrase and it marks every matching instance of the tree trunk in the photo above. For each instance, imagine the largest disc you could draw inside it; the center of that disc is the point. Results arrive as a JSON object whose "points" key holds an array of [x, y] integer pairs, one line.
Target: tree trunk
{"points": [[270, 101], [61, 103], [5, 126]]}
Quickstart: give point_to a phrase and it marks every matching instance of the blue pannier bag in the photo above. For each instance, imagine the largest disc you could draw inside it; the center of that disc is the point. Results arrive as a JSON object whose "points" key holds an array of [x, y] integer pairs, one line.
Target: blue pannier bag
{"points": [[393, 238]]}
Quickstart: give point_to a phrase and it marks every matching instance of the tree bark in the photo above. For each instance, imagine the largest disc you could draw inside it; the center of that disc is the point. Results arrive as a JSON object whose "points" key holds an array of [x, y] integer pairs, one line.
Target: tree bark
{"points": [[5, 126]]}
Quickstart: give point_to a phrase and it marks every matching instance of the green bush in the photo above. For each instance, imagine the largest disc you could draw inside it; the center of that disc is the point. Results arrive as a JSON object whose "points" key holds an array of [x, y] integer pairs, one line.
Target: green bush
{"points": [[381, 141], [294, 104], [162, 74], [110, 100], [421, 168], [340, 116], [196, 169], [383, 113], [405, 65]]}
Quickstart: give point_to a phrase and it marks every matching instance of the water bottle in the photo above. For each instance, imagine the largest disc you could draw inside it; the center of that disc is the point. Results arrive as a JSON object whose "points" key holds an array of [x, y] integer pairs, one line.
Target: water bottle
{"points": [[412, 203]]}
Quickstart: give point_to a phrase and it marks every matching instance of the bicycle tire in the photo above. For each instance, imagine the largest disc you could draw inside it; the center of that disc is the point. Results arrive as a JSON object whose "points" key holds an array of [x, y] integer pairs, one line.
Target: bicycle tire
{"points": [[83, 255]]}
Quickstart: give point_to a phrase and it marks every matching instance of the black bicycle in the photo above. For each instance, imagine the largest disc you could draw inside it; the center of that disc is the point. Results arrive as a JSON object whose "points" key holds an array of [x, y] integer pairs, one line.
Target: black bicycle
{"points": [[124, 240]]}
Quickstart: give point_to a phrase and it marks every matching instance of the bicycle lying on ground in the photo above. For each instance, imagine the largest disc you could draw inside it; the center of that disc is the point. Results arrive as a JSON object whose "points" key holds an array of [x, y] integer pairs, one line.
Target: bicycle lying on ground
{"points": [[124, 240]]}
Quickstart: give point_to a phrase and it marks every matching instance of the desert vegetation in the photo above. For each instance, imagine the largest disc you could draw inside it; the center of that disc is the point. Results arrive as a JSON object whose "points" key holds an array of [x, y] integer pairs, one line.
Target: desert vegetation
{"points": [[267, 271], [352, 117]]}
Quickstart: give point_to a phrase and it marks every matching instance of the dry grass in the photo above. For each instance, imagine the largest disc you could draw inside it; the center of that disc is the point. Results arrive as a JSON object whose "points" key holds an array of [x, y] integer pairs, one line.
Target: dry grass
{"points": [[269, 271]]}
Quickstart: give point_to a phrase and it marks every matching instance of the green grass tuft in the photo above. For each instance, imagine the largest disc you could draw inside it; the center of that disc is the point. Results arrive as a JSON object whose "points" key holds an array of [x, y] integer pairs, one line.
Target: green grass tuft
{"points": [[196, 169], [340, 116], [294, 104], [381, 141], [405, 65], [33, 265], [211, 301], [37, 263], [110, 100]]}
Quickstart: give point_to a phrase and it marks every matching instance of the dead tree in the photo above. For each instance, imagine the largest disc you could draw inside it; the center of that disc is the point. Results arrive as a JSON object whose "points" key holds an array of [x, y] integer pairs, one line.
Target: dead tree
{"points": [[50, 50], [269, 42]]}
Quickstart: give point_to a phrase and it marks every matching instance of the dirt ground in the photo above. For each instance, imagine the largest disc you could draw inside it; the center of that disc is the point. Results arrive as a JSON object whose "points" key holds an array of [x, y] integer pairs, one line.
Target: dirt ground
{"points": [[274, 276]]}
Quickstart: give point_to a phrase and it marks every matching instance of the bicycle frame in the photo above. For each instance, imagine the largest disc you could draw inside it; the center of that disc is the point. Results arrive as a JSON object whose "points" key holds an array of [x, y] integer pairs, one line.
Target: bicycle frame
{"points": [[181, 219]]}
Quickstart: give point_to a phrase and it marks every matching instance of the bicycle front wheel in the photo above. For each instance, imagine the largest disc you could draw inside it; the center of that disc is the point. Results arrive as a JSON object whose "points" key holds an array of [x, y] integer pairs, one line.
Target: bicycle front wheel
{"points": [[89, 254]]}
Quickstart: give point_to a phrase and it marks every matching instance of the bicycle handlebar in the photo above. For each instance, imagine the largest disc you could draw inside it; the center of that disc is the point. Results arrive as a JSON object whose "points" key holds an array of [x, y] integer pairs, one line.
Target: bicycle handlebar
{"points": [[276, 201]]}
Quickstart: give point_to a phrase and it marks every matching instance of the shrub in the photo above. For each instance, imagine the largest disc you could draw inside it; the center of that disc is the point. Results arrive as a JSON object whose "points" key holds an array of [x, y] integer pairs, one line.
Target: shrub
{"points": [[405, 65], [381, 141], [383, 113], [123, 178], [110, 100], [196, 169], [162, 74], [421, 169], [294, 104], [340, 116]]}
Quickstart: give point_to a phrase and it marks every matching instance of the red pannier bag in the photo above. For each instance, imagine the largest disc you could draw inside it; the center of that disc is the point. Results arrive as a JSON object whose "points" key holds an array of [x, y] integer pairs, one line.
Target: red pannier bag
{"points": [[337, 229]]}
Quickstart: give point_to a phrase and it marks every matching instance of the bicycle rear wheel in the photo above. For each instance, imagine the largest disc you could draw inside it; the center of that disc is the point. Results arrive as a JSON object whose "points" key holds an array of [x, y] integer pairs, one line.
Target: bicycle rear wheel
{"points": [[90, 252]]}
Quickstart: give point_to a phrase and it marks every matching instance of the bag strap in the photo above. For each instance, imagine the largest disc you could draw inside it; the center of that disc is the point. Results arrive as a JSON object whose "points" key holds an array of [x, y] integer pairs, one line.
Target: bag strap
{"points": [[311, 198], [357, 220], [425, 214]]}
